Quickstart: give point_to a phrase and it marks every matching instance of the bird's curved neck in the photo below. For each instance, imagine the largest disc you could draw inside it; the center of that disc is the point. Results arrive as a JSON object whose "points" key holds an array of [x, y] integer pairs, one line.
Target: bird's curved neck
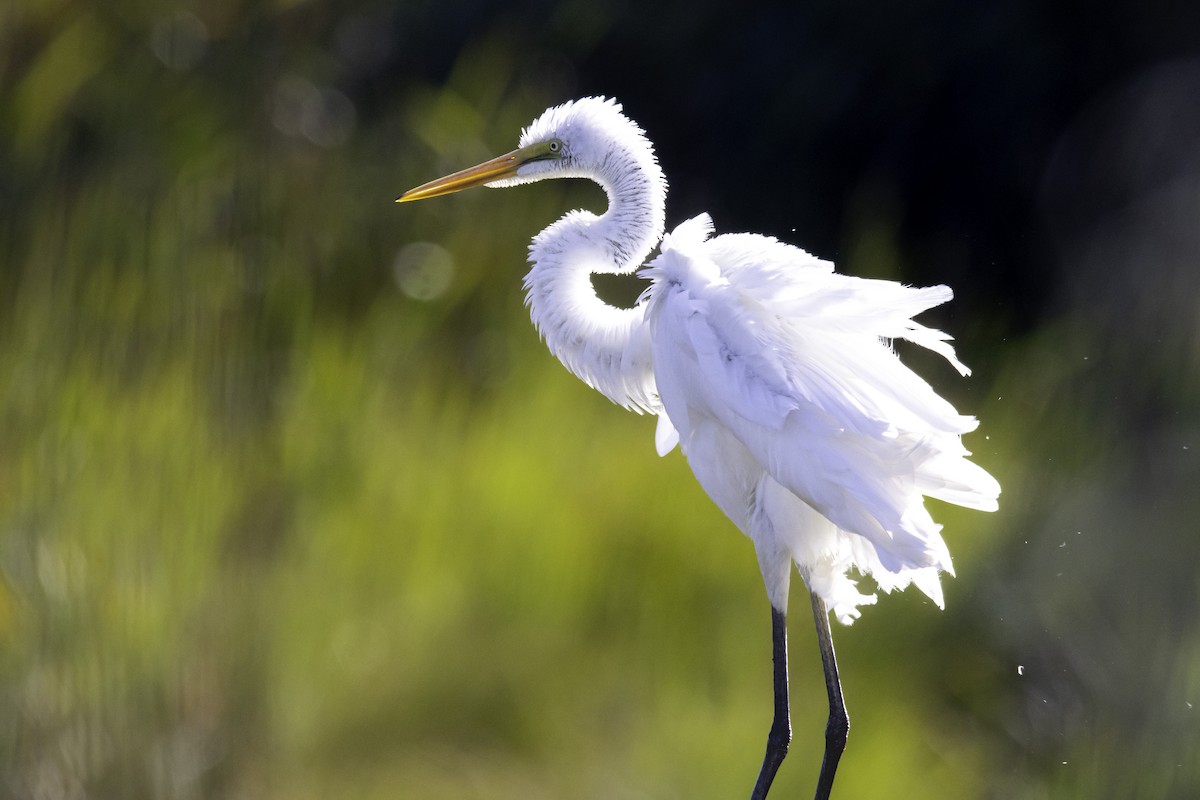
{"points": [[605, 346]]}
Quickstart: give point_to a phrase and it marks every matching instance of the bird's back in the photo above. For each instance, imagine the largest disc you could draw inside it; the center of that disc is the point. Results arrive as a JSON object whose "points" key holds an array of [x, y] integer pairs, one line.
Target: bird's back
{"points": [[773, 367]]}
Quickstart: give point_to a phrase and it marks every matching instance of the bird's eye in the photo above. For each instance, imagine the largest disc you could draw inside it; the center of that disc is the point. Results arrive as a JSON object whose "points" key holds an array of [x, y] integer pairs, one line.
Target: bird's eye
{"points": [[555, 147]]}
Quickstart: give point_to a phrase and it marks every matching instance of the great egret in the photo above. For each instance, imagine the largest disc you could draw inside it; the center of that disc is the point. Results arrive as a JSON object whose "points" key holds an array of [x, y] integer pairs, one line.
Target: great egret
{"points": [[773, 374]]}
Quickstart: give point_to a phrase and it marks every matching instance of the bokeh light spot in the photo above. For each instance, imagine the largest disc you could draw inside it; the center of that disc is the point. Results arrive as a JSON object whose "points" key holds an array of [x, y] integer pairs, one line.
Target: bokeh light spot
{"points": [[179, 41], [325, 117], [423, 270]]}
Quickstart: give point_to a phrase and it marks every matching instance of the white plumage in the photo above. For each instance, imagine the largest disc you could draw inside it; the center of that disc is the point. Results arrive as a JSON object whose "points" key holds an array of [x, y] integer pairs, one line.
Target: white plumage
{"points": [[773, 373], [775, 376]]}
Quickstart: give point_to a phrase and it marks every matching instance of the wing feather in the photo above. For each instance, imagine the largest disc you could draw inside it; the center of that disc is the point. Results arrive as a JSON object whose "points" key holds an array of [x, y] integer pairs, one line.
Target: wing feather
{"points": [[768, 342]]}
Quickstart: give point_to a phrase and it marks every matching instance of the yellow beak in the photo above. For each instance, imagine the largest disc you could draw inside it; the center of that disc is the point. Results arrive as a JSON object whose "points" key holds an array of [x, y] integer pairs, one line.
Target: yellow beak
{"points": [[504, 166], [498, 168]]}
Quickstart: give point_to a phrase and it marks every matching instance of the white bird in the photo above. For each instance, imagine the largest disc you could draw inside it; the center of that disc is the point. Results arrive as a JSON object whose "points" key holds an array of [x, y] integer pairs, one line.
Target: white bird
{"points": [[773, 374]]}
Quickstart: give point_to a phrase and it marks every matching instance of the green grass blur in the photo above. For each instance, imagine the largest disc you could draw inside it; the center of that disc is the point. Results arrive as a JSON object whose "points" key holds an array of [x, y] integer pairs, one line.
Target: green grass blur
{"points": [[293, 504]]}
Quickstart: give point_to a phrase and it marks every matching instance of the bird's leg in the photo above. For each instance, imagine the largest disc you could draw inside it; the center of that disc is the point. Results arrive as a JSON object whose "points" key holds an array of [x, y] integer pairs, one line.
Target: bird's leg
{"points": [[838, 727], [781, 728]]}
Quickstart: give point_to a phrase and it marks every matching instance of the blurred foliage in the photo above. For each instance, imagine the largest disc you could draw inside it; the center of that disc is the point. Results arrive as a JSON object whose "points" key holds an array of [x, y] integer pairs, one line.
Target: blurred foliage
{"points": [[293, 504]]}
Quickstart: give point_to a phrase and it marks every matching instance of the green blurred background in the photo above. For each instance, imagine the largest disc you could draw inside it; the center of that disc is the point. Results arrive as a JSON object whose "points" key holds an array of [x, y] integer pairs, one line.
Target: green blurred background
{"points": [[294, 504]]}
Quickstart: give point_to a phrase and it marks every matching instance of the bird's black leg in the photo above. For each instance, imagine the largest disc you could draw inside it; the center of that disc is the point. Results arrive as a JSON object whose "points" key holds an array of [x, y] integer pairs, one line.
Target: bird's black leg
{"points": [[838, 727], [781, 728]]}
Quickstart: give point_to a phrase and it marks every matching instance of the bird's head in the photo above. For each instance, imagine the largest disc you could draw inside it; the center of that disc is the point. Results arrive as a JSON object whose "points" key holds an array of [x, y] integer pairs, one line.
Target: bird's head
{"points": [[573, 140]]}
